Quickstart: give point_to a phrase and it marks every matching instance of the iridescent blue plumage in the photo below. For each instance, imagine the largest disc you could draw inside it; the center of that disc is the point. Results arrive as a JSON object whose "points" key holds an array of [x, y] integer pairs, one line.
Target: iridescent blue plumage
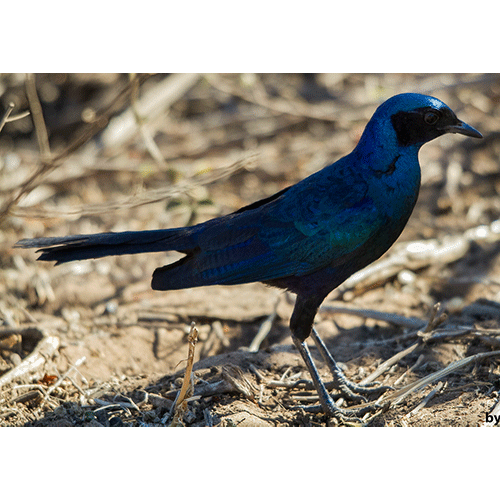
{"points": [[309, 237]]}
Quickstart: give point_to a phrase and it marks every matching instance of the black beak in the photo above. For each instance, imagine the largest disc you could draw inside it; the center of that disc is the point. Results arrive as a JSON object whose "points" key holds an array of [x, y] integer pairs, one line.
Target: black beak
{"points": [[462, 128]]}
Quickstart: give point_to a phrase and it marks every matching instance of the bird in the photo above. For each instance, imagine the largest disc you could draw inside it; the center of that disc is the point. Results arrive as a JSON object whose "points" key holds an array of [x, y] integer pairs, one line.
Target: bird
{"points": [[307, 238]]}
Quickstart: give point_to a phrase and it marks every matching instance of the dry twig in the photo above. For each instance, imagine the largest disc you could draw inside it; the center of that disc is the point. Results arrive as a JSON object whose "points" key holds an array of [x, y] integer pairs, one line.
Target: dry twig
{"points": [[46, 166], [187, 388], [38, 120], [144, 198], [437, 318], [67, 374], [425, 401], [397, 397], [6, 118], [258, 95], [265, 328], [152, 103]]}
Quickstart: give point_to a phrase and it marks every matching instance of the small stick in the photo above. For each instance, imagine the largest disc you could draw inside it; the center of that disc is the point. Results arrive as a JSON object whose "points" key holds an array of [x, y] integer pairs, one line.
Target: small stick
{"points": [[424, 401], [265, 328], [77, 363], [6, 118], [437, 317], [180, 405], [391, 361], [6, 115], [38, 120], [398, 396]]}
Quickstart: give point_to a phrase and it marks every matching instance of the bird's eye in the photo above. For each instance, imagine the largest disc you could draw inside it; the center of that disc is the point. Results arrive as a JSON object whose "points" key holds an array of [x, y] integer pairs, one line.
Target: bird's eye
{"points": [[431, 117]]}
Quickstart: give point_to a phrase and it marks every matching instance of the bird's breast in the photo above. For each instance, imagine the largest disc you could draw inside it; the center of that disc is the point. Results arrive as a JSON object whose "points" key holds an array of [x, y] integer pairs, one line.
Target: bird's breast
{"points": [[397, 180], [395, 189]]}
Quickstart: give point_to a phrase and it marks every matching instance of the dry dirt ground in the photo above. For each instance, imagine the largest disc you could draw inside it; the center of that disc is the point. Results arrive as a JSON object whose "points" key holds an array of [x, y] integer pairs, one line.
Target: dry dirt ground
{"points": [[90, 344]]}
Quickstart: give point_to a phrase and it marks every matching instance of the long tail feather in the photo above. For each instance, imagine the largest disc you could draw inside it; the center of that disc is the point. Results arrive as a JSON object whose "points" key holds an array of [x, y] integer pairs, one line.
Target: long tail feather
{"points": [[91, 246]]}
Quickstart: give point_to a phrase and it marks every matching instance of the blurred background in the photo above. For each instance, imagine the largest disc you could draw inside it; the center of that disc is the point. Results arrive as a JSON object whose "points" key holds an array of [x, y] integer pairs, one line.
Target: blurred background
{"points": [[132, 136]]}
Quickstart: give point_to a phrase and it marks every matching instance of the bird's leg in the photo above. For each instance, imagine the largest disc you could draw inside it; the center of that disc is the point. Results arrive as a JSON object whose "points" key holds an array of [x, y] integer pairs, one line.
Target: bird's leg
{"points": [[327, 403], [301, 325], [351, 390]]}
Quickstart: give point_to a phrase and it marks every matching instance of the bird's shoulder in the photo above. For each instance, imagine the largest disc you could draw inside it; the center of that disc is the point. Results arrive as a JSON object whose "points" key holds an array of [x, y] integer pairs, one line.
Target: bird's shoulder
{"points": [[326, 195]]}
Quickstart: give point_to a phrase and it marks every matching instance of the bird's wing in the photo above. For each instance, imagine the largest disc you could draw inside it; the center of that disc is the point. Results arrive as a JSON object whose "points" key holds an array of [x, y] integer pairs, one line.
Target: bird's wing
{"points": [[309, 226]]}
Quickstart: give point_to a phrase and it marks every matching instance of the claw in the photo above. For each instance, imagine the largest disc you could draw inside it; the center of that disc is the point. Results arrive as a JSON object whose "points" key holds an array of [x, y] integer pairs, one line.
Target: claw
{"points": [[350, 390], [328, 406]]}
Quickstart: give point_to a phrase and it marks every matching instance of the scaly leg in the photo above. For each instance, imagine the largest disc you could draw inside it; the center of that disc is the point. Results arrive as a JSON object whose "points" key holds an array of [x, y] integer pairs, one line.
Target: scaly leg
{"points": [[301, 326], [350, 390], [327, 403]]}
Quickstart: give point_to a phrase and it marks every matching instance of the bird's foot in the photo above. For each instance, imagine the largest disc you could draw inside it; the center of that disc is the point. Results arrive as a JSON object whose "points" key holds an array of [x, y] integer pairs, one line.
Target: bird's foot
{"points": [[350, 390], [327, 405], [355, 416]]}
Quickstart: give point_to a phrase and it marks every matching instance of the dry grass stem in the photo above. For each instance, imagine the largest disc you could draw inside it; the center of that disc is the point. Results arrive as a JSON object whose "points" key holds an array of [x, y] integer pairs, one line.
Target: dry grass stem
{"points": [[187, 388]]}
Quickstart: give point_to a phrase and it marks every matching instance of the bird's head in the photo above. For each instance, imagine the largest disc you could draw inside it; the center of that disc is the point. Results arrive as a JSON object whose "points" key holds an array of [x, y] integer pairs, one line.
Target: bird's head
{"points": [[414, 119]]}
